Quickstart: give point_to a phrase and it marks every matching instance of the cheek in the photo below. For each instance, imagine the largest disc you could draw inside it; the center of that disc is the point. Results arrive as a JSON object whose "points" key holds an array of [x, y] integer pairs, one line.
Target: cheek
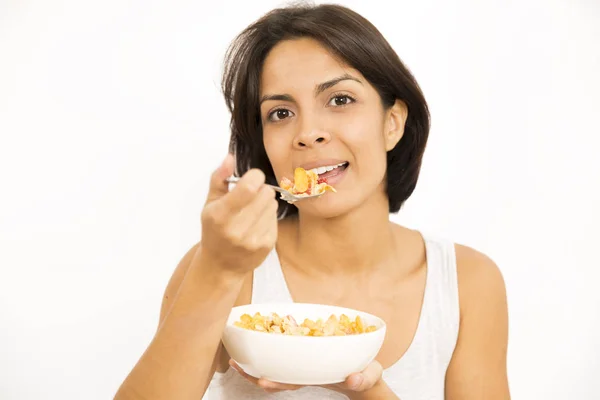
{"points": [[365, 138], [366, 142], [276, 150], [363, 126]]}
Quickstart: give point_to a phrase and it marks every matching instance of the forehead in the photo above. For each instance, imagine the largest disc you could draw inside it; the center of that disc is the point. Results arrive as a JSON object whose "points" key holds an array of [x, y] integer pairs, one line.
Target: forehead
{"points": [[300, 63]]}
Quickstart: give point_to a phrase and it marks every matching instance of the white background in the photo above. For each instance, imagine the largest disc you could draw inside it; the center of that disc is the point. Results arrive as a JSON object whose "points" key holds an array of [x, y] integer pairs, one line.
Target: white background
{"points": [[111, 120]]}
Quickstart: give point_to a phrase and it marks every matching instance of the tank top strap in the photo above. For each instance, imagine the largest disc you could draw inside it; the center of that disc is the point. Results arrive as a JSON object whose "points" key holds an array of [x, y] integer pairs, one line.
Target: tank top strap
{"points": [[269, 285], [442, 293]]}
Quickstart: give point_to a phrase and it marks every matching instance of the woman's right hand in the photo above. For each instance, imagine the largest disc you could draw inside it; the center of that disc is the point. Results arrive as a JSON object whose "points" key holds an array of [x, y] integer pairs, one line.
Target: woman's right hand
{"points": [[239, 227]]}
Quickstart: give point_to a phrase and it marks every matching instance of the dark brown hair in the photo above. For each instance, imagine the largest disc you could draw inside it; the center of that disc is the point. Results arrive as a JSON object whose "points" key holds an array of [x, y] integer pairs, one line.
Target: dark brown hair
{"points": [[353, 39]]}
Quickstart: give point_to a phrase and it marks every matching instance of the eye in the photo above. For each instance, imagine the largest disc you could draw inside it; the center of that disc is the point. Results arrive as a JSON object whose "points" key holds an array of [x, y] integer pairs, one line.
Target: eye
{"points": [[340, 100], [279, 114]]}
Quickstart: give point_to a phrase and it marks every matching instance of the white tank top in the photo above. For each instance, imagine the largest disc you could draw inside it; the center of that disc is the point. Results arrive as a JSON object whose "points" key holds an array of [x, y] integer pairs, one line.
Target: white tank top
{"points": [[418, 375]]}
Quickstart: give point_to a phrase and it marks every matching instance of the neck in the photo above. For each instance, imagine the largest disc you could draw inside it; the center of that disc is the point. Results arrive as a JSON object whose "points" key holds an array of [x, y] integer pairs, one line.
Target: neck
{"points": [[355, 242]]}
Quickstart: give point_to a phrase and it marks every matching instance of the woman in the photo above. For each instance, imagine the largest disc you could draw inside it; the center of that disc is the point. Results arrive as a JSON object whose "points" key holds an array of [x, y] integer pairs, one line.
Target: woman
{"points": [[320, 87]]}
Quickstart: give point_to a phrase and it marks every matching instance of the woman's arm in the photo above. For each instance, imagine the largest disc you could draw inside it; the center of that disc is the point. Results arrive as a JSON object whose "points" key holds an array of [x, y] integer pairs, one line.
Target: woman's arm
{"points": [[477, 370], [181, 359], [239, 230]]}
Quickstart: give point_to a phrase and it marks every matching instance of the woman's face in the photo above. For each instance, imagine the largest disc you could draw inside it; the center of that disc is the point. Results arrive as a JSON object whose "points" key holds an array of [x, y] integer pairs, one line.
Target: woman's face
{"points": [[318, 112]]}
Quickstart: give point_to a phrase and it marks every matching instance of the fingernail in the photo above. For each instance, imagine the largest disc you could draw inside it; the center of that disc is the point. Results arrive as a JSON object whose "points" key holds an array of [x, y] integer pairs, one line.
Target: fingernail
{"points": [[357, 382]]}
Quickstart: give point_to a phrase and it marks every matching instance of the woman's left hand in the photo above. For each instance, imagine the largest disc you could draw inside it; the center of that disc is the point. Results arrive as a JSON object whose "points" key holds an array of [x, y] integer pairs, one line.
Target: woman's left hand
{"points": [[356, 385]]}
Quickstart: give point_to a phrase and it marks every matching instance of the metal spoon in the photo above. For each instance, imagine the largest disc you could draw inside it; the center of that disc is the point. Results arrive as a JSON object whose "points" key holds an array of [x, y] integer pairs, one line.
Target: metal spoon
{"points": [[285, 195]]}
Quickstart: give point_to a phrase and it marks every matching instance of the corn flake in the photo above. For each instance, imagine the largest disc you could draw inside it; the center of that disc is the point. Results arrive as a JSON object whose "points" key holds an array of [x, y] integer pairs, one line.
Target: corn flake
{"points": [[306, 183], [288, 326]]}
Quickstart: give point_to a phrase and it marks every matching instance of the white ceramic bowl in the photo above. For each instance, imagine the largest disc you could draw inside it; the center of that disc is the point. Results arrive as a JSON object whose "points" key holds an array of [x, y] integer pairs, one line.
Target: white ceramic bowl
{"points": [[301, 360]]}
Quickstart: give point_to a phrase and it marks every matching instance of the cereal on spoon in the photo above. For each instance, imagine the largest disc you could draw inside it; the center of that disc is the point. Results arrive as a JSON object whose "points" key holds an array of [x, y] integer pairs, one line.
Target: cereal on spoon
{"points": [[306, 183]]}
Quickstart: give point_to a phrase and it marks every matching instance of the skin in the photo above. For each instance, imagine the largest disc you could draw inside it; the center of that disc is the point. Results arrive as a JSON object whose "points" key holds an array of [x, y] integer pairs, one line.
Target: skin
{"points": [[322, 252]]}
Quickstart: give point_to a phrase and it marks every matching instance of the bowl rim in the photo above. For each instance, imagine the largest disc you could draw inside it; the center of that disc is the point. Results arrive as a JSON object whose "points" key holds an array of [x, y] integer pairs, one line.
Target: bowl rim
{"points": [[381, 328]]}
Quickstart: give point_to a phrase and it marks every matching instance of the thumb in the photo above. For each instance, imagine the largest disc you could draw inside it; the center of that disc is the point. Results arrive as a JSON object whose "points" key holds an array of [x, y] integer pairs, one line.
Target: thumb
{"points": [[218, 186], [366, 379]]}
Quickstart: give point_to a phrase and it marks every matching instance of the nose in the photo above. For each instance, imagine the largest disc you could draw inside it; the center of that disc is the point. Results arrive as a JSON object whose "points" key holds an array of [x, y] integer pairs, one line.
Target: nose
{"points": [[311, 139]]}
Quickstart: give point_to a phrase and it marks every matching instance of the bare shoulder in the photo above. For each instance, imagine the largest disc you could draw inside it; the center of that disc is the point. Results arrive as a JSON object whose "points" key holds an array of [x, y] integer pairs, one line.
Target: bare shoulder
{"points": [[477, 369], [479, 277], [474, 261]]}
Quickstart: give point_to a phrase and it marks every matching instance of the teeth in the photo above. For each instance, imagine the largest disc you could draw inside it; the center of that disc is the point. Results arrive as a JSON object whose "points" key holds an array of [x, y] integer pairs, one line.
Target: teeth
{"points": [[326, 168]]}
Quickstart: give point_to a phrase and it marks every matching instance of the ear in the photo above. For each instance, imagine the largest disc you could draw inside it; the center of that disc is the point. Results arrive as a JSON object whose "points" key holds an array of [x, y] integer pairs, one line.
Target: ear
{"points": [[395, 121]]}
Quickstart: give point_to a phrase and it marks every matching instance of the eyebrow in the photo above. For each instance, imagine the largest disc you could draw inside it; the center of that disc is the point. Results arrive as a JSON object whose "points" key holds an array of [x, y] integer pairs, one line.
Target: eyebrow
{"points": [[320, 88]]}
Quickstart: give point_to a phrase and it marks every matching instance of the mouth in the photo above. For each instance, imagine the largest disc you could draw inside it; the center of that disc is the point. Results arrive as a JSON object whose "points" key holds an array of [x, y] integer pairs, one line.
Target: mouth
{"points": [[327, 172], [324, 169]]}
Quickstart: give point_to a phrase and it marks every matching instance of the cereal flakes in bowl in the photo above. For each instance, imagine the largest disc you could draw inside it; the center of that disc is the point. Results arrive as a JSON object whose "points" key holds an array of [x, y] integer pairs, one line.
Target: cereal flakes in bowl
{"points": [[300, 343]]}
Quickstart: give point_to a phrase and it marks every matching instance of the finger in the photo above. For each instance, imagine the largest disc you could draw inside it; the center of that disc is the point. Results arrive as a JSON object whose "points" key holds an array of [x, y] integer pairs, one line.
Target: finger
{"points": [[366, 379], [218, 186], [250, 378], [239, 369], [244, 191], [257, 213], [269, 386], [267, 224]]}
